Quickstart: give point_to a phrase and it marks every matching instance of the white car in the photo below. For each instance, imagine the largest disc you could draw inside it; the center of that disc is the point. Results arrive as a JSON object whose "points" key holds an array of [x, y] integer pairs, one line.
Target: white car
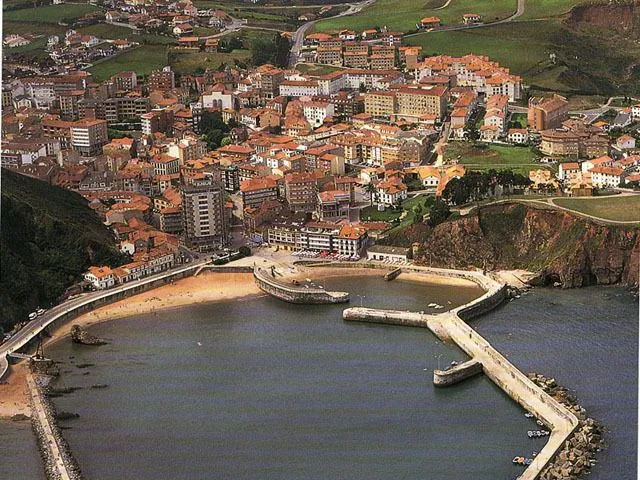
{"points": [[33, 315]]}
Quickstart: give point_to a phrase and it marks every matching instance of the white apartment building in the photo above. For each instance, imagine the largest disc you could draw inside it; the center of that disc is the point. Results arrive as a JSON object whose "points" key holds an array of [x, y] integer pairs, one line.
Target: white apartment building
{"points": [[316, 112], [299, 88]]}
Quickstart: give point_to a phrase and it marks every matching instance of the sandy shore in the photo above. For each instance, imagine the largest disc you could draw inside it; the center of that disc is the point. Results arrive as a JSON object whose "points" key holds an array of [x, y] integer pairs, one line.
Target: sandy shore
{"points": [[13, 393], [205, 288], [319, 273]]}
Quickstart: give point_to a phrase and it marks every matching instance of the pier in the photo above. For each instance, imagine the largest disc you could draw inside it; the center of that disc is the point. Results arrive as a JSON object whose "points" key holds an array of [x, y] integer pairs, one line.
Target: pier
{"points": [[457, 374], [451, 326], [58, 461], [268, 283]]}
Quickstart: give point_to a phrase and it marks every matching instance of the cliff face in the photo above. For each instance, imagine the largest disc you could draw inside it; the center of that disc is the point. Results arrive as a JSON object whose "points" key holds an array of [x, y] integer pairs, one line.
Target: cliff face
{"points": [[622, 16], [562, 247]]}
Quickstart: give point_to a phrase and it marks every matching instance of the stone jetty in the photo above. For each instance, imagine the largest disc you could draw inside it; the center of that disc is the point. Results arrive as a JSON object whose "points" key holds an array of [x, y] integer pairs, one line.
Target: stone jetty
{"points": [[57, 459], [577, 455], [452, 326]]}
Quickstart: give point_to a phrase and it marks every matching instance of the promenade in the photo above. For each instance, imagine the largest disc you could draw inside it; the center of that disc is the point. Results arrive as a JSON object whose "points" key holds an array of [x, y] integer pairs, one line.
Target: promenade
{"points": [[84, 303], [451, 326]]}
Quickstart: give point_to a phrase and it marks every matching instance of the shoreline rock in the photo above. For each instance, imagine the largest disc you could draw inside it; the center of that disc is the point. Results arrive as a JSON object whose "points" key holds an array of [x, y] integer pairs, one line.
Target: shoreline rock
{"points": [[82, 337], [577, 455]]}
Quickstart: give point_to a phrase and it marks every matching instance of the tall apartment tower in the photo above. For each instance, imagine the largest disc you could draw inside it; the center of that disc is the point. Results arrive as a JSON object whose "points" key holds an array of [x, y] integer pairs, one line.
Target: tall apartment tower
{"points": [[203, 216]]}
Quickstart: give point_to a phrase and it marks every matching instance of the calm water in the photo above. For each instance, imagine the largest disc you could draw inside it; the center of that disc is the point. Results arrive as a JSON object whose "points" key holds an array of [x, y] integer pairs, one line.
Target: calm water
{"points": [[262, 389]]}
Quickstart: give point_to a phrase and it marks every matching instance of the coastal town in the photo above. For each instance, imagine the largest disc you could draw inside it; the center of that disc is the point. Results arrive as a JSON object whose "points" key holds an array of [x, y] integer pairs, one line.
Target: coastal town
{"points": [[313, 149], [316, 164]]}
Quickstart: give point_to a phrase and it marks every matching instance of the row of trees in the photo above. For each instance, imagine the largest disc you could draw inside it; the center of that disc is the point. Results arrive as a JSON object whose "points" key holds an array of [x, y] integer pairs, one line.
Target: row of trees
{"points": [[480, 185]]}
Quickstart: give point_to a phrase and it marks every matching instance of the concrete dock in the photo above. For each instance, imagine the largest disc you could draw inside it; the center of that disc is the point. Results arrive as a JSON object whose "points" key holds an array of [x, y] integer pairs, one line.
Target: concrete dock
{"points": [[451, 326]]}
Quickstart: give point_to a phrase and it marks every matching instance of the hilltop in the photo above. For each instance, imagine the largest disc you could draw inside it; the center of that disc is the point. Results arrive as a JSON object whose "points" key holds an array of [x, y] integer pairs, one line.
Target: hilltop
{"points": [[564, 248], [49, 236]]}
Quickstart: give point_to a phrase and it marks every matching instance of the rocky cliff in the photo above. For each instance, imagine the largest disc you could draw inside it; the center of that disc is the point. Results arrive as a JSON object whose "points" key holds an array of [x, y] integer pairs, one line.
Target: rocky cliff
{"points": [[563, 248], [621, 16]]}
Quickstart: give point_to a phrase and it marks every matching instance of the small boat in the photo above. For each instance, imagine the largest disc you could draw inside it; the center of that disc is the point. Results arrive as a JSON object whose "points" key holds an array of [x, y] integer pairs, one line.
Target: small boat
{"points": [[40, 311], [431, 305], [539, 422], [528, 461], [528, 415], [32, 315], [454, 363]]}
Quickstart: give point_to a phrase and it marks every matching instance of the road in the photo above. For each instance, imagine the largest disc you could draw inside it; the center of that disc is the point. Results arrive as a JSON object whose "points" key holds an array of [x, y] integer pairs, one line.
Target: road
{"points": [[550, 202], [34, 327], [298, 35], [518, 13]]}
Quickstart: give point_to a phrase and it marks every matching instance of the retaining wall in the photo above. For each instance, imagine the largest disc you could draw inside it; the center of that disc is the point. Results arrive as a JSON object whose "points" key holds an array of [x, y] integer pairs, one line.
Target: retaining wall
{"points": [[292, 294]]}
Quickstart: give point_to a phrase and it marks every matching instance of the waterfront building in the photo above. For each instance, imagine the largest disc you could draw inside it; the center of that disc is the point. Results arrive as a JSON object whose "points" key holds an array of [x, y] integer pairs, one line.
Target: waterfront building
{"points": [[203, 216]]}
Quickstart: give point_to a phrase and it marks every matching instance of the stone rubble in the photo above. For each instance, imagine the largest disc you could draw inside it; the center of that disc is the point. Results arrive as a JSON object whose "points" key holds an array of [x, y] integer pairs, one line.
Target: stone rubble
{"points": [[577, 456]]}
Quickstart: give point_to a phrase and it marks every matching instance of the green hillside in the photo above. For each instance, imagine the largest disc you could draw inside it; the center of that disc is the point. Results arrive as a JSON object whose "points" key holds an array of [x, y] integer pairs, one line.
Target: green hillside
{"points": [[48, 237]]}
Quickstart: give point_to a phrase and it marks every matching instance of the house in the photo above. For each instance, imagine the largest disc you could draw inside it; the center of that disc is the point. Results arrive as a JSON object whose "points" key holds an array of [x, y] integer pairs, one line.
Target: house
{"points": [[391, 192], [183, 29], [189, 42], [384, 253], [569, 170], [626, 142], [635, 112], [429, 176], [490, 133], [211, 45], [623, 119], [471, 18], [430, 22], [606, 177], [100, 277], [347, 35], [604, 161], [517, 135]]}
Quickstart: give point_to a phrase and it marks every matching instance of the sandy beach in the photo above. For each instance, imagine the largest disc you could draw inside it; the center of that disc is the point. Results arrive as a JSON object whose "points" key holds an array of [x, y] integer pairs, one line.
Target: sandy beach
{"points": [[319, 273], [205, 288]]}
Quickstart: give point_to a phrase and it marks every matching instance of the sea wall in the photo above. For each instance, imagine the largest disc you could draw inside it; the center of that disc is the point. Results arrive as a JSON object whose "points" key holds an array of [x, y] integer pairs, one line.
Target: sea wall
{"points": [[293, 294], [451, 326], [57, 459], [445, 378]]}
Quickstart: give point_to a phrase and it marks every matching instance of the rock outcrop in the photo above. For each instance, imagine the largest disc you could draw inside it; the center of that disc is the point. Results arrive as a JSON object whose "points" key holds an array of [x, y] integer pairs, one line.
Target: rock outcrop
{"points": [[563, 248], [81, 336], [621, 16]]}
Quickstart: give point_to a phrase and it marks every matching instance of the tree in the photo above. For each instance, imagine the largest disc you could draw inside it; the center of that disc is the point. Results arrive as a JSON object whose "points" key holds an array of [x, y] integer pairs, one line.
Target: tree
{"points": [[371, 189], [244, 251], [472, 134], [362, 88], [439, 213]]}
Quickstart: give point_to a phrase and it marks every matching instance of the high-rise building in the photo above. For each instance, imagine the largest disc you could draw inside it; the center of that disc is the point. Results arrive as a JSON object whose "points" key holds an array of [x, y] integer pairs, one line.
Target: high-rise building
{"points": [[203, 216], [88, 136]]}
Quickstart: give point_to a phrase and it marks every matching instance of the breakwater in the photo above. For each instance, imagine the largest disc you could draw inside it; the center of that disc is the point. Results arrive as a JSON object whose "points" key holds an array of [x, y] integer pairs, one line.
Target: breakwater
{"points": [[457, 374], [268, 283], [451, 326], [57, 459]]}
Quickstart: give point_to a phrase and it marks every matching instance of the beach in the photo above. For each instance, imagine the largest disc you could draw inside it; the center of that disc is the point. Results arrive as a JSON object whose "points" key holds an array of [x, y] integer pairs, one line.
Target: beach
{"points": [[207, 287]]}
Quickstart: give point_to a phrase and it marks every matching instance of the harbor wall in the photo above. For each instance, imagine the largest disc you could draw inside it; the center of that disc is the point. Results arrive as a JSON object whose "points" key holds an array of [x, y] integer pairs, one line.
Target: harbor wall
{"points": [[457, 374], [451, 326], [293, 294], [58, 462]]}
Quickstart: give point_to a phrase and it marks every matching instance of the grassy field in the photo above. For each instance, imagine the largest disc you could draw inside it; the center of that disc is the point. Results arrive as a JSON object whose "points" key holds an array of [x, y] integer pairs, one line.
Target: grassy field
{"points": [[610, 208], [32, 28], [402, 15], [190, 62], [143, 60], [102, 30], [503, 43], [372, 214], [548, 8], [498, 157], [313, 69], [50, 13]]}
